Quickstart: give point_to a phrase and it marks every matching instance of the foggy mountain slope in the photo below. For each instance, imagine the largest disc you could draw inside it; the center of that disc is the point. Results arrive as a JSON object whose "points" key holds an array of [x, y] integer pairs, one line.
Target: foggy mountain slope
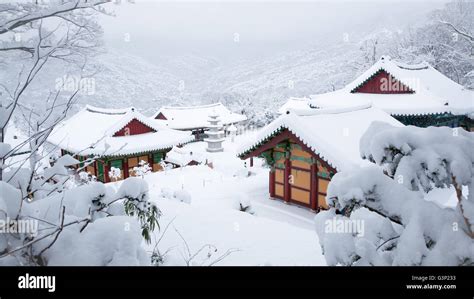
{"points": [[256, 88], [119, 80], [127, 80], [264, 86]]}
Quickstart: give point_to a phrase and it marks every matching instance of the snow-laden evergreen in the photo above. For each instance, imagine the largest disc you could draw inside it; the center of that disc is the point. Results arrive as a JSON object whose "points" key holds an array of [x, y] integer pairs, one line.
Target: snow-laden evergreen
{"points": [[403, 227]]}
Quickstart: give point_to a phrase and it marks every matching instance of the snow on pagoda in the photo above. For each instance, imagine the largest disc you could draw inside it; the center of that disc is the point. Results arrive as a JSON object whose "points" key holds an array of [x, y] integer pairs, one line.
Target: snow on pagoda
{"points": [[102, 139], [414, 94], [215, 133]]}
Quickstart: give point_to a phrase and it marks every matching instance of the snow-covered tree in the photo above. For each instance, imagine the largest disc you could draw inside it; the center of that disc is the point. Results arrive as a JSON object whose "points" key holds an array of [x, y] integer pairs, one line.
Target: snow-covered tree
{"points": [[445, 41], [135, 192], [86, 177], [142, 168], [70, 224], [115, 173], [32, 34], [401, 227]]}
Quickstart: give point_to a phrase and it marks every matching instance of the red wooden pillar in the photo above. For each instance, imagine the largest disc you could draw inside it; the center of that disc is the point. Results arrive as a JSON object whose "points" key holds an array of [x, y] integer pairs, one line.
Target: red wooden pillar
{"points": [[251, 161], [95, 168], [106, 172], [272, 183], [125, 168], [314, 187], [287, 194], [150, 161]]}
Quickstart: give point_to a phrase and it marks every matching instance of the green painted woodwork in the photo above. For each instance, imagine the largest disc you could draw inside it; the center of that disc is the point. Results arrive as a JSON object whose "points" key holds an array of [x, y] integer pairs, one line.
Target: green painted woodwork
{"points": [[281, 145], [268, 156], [437, 120], [100, 171], [280, 165], [157, 157], [117, 164], [296, 146], [325, 175], [307, 160], [278, 156]]}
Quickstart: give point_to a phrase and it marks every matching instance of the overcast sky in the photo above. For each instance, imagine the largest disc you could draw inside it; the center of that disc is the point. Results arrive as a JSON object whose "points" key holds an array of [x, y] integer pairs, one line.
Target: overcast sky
{"points": [[248, 28]]}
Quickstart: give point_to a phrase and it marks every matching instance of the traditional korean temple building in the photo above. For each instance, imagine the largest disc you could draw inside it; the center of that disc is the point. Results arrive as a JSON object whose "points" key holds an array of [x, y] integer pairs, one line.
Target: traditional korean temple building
{"points": [[182, 156], [414, 94], [196, 118], [119, 138], [304, 149]]}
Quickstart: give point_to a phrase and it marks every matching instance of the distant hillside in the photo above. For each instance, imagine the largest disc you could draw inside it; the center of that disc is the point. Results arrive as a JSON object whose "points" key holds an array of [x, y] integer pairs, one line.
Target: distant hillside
{"points": [[255, 88]]}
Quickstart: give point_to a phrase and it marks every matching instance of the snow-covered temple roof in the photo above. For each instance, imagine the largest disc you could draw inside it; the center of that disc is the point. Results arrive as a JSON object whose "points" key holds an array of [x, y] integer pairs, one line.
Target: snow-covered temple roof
{"points": [[430, 92], [183, 156], [294, 103], [195, 117], [332, 134], [395, 104], [94, 131]]}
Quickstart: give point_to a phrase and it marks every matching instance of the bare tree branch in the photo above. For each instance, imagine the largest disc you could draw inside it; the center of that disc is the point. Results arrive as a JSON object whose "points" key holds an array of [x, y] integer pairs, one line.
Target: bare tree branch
{"points": [[48, 13]]}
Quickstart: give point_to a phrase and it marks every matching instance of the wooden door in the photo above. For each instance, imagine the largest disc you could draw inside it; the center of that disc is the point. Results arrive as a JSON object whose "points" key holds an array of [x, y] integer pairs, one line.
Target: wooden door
{"points": [[132, 162], [143, 158], [300, 182], [322, 188], [91, 169], [279, 158], [324, 177], [279, 183], [300, 176]]}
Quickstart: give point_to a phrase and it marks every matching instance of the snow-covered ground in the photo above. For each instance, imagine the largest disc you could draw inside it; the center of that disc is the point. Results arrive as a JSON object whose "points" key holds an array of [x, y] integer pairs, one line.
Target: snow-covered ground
{"points": [[276, 234], [202, 224]]}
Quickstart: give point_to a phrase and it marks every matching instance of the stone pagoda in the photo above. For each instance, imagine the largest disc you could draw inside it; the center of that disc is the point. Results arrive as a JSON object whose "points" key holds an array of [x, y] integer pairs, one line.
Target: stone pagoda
{"points": [[215, 133]]}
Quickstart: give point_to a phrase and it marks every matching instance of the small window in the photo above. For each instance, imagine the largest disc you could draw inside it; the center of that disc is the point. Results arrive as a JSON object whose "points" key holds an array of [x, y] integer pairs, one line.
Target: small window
{"points": [[157, 157], [116, 164]]}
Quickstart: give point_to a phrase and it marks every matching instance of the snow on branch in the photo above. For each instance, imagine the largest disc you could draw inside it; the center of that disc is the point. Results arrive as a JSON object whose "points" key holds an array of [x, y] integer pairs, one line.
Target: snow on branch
{"points": [[398, 226], [29, 13], [465, 34]]}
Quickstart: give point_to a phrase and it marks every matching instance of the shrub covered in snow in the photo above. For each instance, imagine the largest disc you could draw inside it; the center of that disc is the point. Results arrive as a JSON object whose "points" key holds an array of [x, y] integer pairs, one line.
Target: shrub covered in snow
{"points": [[142, 168], [86, 178], [115, 173], [400, 226], [243, 203], [135, 192], [79, 226]]}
